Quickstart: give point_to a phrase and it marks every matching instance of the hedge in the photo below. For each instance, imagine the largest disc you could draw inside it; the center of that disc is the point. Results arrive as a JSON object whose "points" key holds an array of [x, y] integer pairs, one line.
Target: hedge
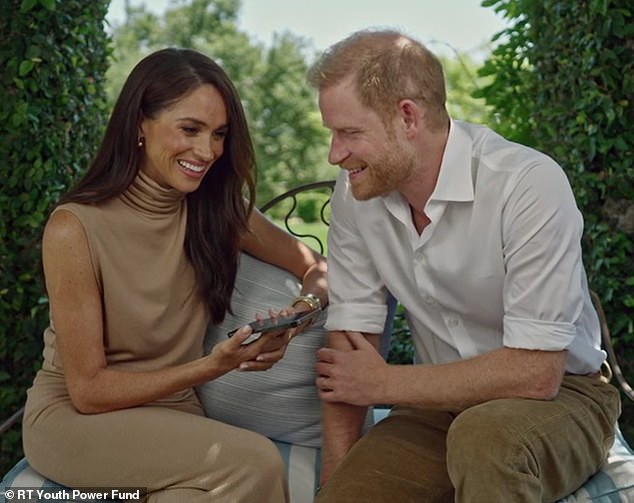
{"points": [[53, 55]]}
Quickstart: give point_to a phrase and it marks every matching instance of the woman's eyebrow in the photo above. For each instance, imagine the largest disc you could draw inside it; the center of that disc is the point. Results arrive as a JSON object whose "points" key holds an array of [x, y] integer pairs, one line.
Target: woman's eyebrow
{"points": [[192, 119], [202, 123]]}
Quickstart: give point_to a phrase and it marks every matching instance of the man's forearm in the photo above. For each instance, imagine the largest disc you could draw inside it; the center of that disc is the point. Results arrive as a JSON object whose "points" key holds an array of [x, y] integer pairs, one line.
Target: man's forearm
{"points": [[342, 427], [342, 423]]}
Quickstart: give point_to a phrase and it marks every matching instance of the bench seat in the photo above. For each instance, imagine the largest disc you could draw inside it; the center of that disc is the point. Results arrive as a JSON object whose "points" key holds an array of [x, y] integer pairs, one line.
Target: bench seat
{"points": [[613, 484]]}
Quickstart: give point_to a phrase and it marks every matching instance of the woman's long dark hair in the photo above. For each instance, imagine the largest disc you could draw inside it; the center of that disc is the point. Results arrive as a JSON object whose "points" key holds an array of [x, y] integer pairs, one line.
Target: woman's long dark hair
{"points": [[216, 212]]}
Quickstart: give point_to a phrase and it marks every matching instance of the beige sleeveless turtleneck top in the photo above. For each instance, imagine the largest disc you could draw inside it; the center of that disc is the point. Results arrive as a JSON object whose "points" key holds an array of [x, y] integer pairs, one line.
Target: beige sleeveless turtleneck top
{"points": [[153, 316]]}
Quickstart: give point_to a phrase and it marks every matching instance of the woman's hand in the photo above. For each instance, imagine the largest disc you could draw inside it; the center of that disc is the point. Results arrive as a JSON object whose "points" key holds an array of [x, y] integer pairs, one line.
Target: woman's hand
{"points": [[278, 340], [261, 354], [303, 312]]}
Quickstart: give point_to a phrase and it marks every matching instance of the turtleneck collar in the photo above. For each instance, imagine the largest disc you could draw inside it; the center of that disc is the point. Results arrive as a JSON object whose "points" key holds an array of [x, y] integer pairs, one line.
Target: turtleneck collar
{"points": [[148, 196]]}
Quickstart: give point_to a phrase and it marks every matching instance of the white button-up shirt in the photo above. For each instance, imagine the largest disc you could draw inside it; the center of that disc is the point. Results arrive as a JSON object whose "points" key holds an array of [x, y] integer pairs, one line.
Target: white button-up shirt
{"points": [[499, 264]]}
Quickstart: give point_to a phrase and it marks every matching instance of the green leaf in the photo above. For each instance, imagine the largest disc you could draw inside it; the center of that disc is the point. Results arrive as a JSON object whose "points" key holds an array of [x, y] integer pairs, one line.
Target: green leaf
{"points": [[25, 67], [27, 5], [48, 4]]}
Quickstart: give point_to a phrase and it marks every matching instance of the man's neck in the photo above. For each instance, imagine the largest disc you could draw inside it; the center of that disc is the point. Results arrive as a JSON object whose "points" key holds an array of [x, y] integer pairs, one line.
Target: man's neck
{"points": [[420, 187], [420, 220]]}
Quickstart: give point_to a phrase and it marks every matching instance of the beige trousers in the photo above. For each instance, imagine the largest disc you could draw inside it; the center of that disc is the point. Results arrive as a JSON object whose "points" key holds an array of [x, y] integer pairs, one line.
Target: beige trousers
{"points": [[511, 450], [173, 451]]}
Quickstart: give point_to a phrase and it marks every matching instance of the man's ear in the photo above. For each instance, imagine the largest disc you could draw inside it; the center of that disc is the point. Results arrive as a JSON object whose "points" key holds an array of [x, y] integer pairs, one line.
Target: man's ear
{"points": [[411, 116]]}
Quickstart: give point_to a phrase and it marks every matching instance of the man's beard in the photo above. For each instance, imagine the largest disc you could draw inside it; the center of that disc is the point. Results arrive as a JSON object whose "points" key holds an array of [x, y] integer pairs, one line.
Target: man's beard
{"points": [[388, 173]]}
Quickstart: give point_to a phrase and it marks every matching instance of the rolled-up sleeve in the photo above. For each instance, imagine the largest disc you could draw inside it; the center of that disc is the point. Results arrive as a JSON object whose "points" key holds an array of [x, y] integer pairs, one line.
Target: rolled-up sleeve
{"points": [[529, 334]]}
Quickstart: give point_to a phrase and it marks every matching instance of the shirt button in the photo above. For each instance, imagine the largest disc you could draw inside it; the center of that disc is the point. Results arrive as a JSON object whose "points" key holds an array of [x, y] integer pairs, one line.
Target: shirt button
{"points": [[453, 322]]}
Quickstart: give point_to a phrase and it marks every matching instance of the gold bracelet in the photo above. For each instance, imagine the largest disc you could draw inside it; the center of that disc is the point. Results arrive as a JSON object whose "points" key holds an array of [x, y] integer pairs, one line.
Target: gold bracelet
{"points": [[310, 299]]}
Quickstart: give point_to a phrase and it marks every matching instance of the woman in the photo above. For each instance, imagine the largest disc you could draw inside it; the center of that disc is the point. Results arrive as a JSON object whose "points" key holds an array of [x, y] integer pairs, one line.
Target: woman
{"points": [[138, 258]]}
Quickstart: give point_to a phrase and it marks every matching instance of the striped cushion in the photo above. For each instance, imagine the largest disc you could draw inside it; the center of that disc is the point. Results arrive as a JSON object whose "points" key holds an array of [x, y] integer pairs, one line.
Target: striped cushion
{"points": [[281, 403], [615, 482], [302, 470]]}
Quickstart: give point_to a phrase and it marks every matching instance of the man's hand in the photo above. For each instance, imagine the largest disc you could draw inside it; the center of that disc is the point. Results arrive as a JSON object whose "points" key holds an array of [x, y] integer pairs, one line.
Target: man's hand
{"points": [[355, 377]]}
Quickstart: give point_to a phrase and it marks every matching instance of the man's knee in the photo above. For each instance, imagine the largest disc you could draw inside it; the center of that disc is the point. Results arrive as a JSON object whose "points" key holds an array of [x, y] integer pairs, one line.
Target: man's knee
{"points": [[479, 434]]}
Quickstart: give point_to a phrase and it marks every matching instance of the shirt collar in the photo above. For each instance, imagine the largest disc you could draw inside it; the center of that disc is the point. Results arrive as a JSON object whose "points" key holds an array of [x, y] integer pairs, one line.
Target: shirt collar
{"points": [[455, 179]]}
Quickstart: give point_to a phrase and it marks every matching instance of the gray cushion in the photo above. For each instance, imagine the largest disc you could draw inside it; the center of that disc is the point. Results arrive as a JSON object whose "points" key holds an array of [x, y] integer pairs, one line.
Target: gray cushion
{"points": [[282, 402]]}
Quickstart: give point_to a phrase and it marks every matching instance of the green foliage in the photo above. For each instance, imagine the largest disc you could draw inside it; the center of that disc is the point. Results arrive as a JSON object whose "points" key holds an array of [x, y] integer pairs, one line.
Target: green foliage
{"points": [[463, 83], [54, 56], [401, 345], [563, 82], [291, 142], [309, 208]]}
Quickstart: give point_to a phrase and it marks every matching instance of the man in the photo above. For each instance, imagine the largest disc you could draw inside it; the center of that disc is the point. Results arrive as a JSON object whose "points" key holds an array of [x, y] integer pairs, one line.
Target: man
{"points": [[479, 239]]}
